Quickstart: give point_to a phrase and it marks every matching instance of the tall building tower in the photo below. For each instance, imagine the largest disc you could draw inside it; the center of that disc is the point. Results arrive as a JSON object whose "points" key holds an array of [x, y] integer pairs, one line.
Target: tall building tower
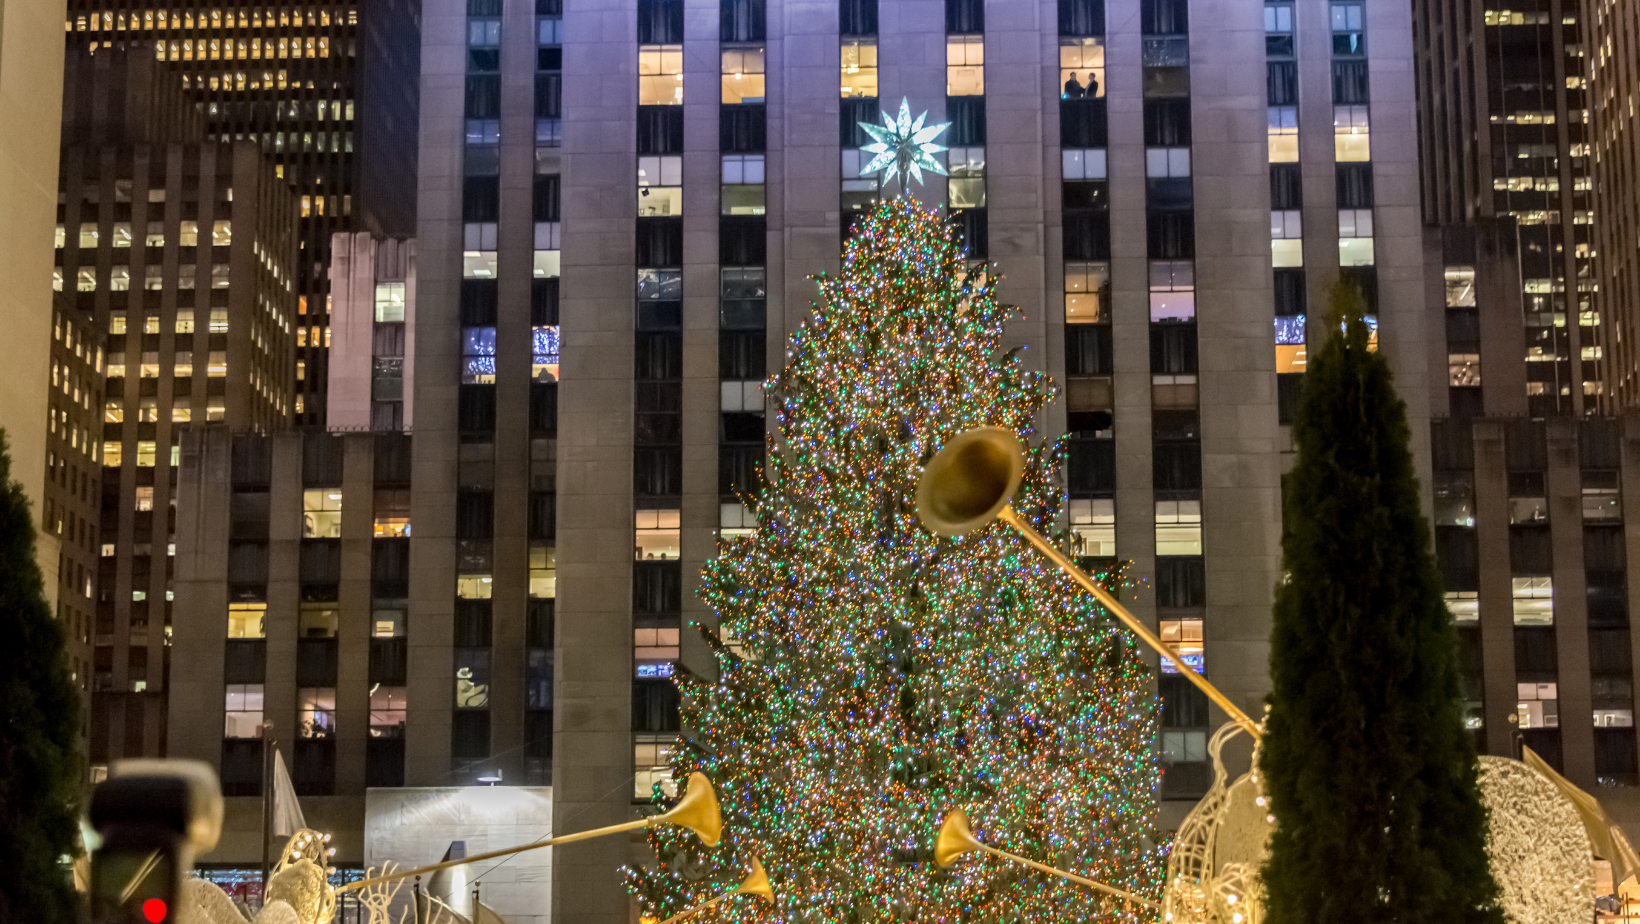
{"points": [[181, 253], [316, 88], [1614, 77], [1505, 143], [1170, 207]]}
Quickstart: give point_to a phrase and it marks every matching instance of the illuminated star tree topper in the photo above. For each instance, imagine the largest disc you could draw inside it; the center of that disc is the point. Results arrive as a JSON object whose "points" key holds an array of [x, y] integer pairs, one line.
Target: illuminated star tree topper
{"points": [[904, 147]]}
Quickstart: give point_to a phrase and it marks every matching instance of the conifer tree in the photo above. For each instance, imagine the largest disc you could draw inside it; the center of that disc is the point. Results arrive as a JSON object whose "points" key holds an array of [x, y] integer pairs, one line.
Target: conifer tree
{"points": [[39, 716], [878, 676], [1367, 765]]}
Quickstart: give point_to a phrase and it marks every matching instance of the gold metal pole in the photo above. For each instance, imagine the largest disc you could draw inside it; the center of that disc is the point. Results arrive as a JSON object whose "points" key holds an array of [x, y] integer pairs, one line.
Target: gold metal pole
{"points": [[561, 839], [687, 912], [1140, 629], [1126, 896]]}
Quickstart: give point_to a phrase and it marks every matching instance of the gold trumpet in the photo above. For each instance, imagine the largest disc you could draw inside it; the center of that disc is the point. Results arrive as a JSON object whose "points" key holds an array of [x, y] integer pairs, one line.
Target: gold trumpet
{"points": [[957, 838], [969, 483], [755, 883], [697, 811]]}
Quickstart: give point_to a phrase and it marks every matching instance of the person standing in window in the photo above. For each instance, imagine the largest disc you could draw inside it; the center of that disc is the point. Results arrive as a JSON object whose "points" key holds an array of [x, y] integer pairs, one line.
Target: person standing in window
{"points": [[1073, 89], [1093, 85]]}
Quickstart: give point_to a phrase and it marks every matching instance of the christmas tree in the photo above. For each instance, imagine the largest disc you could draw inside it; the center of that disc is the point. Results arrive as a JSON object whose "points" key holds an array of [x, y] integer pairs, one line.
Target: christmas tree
{"points": [[1367, 766], [872, 676], [39, 760]]}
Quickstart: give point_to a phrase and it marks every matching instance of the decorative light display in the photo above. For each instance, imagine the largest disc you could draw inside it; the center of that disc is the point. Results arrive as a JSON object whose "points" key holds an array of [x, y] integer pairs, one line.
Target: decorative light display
{"points": [[904, 147], [873, 677]]}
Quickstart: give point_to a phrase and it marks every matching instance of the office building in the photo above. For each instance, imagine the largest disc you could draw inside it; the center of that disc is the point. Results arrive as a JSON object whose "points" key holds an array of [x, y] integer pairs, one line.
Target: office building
{"points": [[1614, 76], [614, 242], [181, 253], [1505, 142], [317, 89]]}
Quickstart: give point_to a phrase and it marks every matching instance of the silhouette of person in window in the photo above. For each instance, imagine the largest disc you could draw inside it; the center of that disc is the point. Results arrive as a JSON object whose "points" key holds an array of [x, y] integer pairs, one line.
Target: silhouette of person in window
{"points": [[1093, 84], [1073, 89]]}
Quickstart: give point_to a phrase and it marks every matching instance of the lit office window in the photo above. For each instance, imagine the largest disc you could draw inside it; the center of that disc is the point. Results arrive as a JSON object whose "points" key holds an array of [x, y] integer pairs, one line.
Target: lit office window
{"points": [[660, 75], [743, 78], [859, 68], [965, 65]]}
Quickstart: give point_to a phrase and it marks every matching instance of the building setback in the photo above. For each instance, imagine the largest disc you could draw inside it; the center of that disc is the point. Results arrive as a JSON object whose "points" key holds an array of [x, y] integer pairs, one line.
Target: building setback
{"points": [[181, 253]]}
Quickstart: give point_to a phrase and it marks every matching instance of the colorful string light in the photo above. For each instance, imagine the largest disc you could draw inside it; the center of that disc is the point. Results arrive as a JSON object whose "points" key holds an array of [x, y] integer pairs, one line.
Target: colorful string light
{"points": [[872, 676]]}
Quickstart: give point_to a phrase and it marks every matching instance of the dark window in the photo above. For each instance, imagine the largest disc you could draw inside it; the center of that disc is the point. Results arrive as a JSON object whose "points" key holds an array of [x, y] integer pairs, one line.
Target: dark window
{"points": [[544, 198], [660, 22], [1183, 706], [388, 660], [654, 706], [241, 767], [1167, 123], [252, 462], [481, 198], [658, 356], [1535, 658], [1167, 193], [475, 409], [313, 766], [1281, 82], [1599, 442], [549, 90], [741, 354], [1086, 194], [1289, 391], [1525, 448], [1463, 330], [1088, 349], [538, 624], [851, 113], [544, 301], [660, 129], [315, 662], [483, 97], [543, 515], [547, 58], [247, 515], [1530, 551], [1181, 581], [1459, 556], [1614, 757], [742, 428], [245, 661], [1081, 17], [740, 470], [742, 240], [1082, 123], [1164, 17], [321, 561], [743, 129], [857, 17], [470, 734], [1286, 188], [1609, 653], [321, 461], [1365, 281], [967, 117], [478, 301], [1090, 467], [247, 564], [475, 515], [392, 462], [543, 408], [1087, 235], [384, 762], [1172, 235], [1176, 466], [474, 624], [964, 17], [1451, 447], [742, 21], [660, 242], [657, 589], [1349, 80], [657, 471], [1354, 186], [973, 231], [390, 568]]}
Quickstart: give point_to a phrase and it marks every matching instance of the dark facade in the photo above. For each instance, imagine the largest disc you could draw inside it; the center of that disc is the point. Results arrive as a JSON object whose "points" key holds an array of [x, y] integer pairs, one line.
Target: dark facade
{"points": [[181, 252], [1614, 77], [317, 91], [1503, 135], [73, 496]]}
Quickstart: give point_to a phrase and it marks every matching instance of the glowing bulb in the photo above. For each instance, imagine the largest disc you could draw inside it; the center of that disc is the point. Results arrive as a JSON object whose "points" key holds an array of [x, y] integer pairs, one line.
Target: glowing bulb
{"points": [[1236, 918], [296, 854], [1231, 900], [1270, 818], [1259, 801]]}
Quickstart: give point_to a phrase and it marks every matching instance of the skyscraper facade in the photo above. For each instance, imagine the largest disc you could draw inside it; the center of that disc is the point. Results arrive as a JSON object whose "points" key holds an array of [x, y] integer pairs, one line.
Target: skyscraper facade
{"points": [[1504, 135], [1614, 77]]}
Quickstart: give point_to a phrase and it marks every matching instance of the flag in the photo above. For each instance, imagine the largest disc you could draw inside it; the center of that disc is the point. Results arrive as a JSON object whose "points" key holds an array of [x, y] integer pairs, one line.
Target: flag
{"points": [[287, 812], [484, 914]]}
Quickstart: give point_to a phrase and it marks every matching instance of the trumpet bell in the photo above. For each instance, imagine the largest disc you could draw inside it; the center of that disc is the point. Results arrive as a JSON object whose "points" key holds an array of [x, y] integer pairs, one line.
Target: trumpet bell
{"points": [[969, 481], [757, 883], [956, 838], [698, 810]]}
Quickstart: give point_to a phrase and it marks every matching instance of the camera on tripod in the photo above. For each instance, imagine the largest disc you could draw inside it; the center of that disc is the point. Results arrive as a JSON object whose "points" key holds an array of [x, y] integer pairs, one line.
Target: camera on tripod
{"points": [[151, 817]]}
